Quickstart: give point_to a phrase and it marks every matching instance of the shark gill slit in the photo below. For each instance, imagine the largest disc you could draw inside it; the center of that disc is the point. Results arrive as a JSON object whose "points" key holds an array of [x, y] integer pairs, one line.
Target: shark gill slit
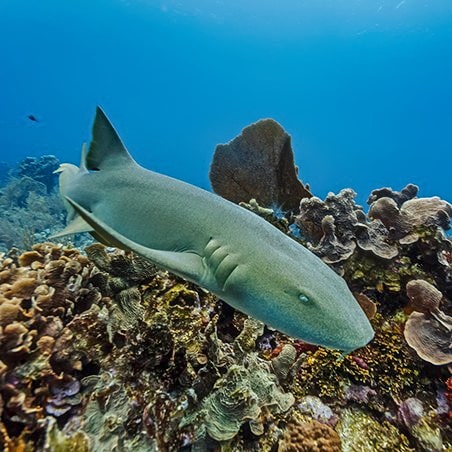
{"points": [[224, 270]]}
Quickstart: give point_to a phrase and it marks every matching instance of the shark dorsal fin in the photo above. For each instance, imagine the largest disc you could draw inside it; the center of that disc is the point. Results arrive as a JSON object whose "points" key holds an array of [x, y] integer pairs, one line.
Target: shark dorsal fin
{"points": [[106, 150]]}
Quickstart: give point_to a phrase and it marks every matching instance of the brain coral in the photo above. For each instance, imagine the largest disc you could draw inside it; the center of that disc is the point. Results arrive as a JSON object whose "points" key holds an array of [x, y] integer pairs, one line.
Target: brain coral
{"points": [[309, 436]]}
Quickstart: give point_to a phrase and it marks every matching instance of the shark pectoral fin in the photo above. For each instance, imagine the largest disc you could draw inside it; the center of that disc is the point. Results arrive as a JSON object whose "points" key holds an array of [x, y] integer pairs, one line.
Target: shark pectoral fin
{"points": [[188, 265], [77, 225]]}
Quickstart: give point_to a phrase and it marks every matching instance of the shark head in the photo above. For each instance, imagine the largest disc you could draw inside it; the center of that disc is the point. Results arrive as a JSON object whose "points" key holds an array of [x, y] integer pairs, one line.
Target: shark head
{"points": [[306, 300]]}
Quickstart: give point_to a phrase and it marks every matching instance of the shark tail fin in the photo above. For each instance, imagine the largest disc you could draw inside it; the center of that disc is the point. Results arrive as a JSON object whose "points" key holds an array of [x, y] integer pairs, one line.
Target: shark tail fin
{"points": [[83, 167], [106, 150], [68, 173]]}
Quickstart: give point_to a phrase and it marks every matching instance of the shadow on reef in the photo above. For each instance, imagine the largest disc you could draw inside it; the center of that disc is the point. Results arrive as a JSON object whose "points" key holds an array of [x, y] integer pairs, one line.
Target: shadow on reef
{"points": [[104, 351]]}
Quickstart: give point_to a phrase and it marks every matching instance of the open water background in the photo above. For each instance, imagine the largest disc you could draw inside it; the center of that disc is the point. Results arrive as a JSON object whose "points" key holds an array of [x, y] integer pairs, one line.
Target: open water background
{"points": [[363, 87]]}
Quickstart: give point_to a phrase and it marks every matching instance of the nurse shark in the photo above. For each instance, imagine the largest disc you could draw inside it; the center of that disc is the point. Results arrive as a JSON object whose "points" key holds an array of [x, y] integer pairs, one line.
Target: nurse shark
{"points": [[209, 241]]}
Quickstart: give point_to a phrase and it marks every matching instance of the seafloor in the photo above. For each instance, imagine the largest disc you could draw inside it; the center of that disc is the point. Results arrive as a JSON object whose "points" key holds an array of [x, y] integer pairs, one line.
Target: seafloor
{"points": [[102, 351]]}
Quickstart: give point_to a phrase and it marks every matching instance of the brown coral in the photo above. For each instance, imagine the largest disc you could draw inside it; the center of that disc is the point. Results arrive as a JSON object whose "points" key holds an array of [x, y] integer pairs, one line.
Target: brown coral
{"points": [[341, 207], [258, 164], [40, 292], [329, 248], [367, 305], [387, 211], [408, 192], [401, 222], [309, 436], [431, 336], [428, 329], [423, 296]]}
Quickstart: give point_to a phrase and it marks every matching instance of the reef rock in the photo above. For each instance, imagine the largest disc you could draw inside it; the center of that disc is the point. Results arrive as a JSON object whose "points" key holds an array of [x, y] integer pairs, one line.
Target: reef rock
{"points": [[258, 164]]}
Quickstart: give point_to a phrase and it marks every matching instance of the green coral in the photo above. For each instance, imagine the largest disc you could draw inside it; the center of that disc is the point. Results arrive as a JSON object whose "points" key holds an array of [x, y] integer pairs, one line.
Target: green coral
{"points": [[359, 432], [367, 273], [240, 396], [326, 373], [106, 418], [428, 435], [58, 441]]}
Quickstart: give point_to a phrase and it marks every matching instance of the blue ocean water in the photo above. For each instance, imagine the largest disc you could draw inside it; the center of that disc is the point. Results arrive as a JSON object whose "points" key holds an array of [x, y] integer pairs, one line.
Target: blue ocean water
{"points": [[363, 87]]}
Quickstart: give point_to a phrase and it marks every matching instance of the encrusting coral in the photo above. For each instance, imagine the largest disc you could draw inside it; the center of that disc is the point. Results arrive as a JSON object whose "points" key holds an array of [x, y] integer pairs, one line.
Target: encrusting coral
{"points": [[359, 431]]}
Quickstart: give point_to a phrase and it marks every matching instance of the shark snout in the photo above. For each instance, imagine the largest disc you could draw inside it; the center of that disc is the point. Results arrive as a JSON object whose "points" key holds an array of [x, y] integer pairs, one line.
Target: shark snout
{"points": [[359, 335]]}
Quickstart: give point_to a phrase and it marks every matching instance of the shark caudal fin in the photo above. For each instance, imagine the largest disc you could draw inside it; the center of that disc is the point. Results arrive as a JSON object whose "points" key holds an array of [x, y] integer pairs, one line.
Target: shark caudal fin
{"points": [[106, 150], [68, 173]]}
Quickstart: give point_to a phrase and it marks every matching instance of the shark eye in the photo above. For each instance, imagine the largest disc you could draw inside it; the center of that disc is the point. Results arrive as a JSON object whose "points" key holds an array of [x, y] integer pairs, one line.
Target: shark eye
{"points": [[303, 298]]}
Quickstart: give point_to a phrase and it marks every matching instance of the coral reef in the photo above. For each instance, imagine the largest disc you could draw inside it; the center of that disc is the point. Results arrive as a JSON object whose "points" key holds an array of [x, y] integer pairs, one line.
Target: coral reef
{"points": [[119, 347], [101, 350], [106, 352], [40, 169], [356, 245], [4, 173], [259, 164], [31, 210]]}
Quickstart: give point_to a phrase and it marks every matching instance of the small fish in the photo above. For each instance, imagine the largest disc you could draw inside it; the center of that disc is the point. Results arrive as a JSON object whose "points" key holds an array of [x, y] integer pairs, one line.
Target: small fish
{"points": [[33, 118], [210, 241]]}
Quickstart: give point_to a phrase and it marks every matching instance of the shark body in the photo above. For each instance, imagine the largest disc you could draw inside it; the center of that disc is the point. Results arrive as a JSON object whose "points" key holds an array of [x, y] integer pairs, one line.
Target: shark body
{"points": [[210, 241]]}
